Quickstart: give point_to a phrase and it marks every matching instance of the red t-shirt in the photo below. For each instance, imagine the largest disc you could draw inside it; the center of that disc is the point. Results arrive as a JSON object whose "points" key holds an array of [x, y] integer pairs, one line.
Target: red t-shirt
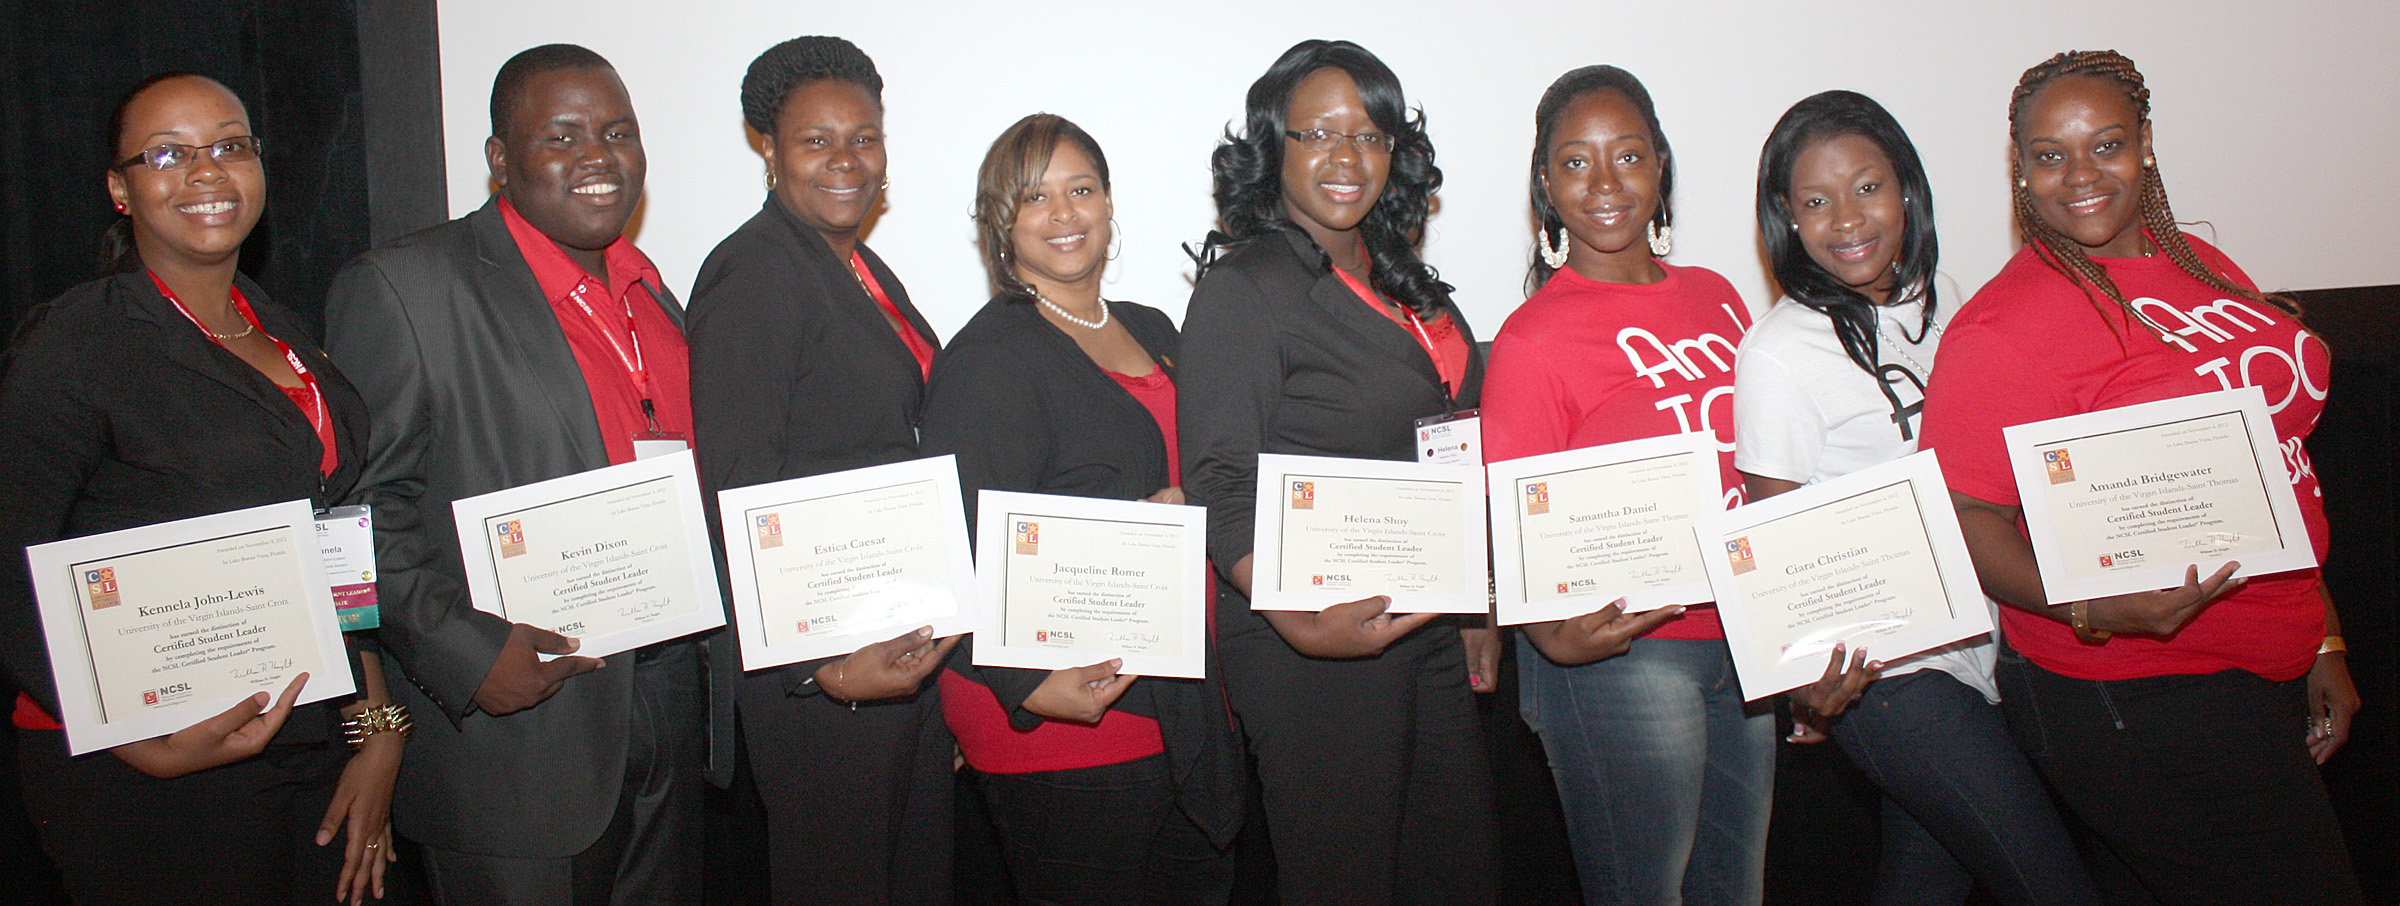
{"points": [[1585, 363], [626, 346], [985, 736], [2031, 347]]}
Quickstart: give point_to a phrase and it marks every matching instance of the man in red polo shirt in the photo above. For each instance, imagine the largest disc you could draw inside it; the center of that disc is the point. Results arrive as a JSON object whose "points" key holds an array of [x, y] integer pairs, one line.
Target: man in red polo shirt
{"points": [[522, 342]]}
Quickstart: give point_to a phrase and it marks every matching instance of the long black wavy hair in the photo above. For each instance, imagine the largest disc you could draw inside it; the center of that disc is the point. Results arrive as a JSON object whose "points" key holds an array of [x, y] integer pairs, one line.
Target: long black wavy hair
{"points": [[1248, 171], [1816, 118], [1562, 92]]}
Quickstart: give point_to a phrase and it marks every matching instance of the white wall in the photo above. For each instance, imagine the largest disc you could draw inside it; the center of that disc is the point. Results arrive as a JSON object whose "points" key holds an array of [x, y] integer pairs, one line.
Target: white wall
{"points": [[2275, 123]]}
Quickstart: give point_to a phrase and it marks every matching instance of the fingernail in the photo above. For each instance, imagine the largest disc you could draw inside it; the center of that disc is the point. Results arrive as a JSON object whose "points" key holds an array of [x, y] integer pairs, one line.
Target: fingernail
{"points": [[324, 836], [1474, 679], [924, 632]]}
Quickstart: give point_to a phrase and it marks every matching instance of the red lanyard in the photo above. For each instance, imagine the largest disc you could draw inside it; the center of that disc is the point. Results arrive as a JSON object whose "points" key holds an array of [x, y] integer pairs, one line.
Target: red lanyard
{"points": [[634, 366], [1368, 296], [319, 420], [917, 348]]}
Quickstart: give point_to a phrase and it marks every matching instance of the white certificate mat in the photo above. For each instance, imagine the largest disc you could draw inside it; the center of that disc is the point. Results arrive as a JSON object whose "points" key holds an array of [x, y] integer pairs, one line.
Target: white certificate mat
{"points": [[2122, 500], [617, 557], [1576, 530], [824, 565], [1334, 530], [1073, 581], [1873, 559], [153, 629]]}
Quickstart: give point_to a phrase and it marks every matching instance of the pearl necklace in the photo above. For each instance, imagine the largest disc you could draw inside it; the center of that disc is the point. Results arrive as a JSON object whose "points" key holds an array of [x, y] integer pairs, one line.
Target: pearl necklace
{"points": [[1901, 349], [1070, 316]]}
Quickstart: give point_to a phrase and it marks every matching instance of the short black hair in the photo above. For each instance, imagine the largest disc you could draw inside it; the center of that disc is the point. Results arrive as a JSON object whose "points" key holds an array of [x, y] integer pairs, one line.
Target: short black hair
{"points": [[1821, 117], [509, 86], [797, 62]]}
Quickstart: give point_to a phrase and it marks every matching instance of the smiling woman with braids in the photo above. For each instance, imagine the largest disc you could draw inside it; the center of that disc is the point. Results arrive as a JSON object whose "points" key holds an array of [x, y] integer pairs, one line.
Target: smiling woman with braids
{"points": [[2170, 722]]}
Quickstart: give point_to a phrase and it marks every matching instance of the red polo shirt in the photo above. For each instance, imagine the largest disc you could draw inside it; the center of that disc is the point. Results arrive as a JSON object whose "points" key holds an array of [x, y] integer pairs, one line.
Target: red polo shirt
{"points": [[626, 346]]}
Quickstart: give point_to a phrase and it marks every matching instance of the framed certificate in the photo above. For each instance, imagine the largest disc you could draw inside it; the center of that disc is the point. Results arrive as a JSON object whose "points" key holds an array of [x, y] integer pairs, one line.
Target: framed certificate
{"points": [[2122, 500], [1576, 530], [1873, 559], [617, 557], [1334, 530], [1073, 581], [823, 565], [152, 629]]}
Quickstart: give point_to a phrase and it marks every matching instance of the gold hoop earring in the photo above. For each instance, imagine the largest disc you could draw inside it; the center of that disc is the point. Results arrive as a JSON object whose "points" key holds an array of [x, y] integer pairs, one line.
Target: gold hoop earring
{"points": [[769, 179]]}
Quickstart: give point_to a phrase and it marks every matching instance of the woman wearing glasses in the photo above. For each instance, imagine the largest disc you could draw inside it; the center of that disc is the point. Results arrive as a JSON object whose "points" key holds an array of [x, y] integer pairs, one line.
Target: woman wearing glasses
{"points": [[1320, 332], [169, 389]]}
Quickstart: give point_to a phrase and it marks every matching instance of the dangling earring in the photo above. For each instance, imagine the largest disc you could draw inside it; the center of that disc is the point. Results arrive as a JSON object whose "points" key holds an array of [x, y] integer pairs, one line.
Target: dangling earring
{"points": [[1662, 239], [769, 179], [1116, 239], [1554, 257]]}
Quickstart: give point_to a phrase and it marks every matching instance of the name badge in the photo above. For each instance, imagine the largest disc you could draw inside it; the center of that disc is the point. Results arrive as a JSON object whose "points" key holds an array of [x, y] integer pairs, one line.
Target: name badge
{"points": [[659, 443], [347, 536], [1455, 439]]}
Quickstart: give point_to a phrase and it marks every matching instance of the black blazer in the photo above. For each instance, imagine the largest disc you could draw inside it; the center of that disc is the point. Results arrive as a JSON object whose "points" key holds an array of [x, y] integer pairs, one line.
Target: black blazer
{"points": [[474, 390], [1024, 409], [795, 372], [1281, 357], [120, 413]]}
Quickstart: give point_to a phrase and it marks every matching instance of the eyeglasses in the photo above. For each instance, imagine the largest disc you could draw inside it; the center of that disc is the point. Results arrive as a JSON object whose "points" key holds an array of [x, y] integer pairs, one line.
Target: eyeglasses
{"points": [[1327, 139], [176, 157]]}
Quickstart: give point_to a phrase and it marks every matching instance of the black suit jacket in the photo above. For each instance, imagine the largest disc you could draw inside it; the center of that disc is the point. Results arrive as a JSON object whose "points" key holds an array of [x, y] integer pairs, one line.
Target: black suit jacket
{"points": [[474, 390], [795, 372], [1281, 357], [119, 414], [1025, 409]]}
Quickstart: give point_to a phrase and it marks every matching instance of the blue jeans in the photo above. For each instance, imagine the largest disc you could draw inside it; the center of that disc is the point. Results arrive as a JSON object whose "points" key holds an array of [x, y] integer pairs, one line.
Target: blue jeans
{"points": [[1665, 776], [1961, 805]]}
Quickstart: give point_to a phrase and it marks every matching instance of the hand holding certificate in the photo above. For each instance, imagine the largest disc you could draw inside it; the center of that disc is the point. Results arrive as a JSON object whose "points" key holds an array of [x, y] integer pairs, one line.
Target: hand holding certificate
{"points": [[1332, 531], [1073, 581], [152, 629], [2126, 500], [1572, 531], [1871, 559], [823, 565], [616, 557]]}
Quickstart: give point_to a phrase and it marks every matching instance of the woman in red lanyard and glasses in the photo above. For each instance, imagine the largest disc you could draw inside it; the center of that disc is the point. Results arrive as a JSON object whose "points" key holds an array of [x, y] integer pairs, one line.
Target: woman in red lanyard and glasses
{"points": [[169, 389], [807, 358], [1319, 331]]}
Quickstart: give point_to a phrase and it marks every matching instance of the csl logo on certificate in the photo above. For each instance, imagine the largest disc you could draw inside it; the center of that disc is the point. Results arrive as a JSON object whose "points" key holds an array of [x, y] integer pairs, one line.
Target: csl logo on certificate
{"points": [[1029, 537], [102, 585], [2056, 462], [1304, 495], [770, 533], [1738, 552], [1537, 502], [512, 538]]}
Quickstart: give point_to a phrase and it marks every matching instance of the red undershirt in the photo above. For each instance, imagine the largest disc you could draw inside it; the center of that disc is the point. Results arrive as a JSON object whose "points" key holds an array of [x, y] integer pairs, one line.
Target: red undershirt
{"points": [[625, 345], [985, 737], [918, 346], [1440, 339]]}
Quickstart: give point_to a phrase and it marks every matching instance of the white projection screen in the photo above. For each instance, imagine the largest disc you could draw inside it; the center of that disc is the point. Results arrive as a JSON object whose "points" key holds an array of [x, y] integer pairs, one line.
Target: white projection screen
{"points": [[2275, 123]]}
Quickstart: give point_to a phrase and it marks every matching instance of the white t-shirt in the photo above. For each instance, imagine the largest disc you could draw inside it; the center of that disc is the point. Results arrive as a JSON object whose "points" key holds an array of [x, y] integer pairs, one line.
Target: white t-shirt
{"points": [[1804, 412]]}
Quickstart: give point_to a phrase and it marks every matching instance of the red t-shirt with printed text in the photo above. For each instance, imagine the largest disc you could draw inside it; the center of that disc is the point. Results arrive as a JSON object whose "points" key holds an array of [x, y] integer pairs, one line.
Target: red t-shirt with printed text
{"points": [[2030, 346], [1584, 363]]}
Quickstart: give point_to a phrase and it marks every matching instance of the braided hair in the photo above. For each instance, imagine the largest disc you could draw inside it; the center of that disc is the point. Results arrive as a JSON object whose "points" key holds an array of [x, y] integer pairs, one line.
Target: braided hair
{"points": [[2063, 254], [1248, 171], [787, 66]]}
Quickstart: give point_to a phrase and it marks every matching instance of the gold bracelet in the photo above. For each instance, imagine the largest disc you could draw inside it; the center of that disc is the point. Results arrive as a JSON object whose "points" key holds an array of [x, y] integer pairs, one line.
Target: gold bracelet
{"points": [[2079, 615], [2331, 645], [386, 718]]}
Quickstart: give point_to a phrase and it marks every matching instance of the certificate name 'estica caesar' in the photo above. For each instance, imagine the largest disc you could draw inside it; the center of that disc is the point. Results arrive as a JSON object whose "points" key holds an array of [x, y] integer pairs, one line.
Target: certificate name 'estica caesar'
{"points": [[2123, 500], [1072, 581], [152, 629], [1872, 559], [617, 557], [825, 564], [1332, 530]]}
